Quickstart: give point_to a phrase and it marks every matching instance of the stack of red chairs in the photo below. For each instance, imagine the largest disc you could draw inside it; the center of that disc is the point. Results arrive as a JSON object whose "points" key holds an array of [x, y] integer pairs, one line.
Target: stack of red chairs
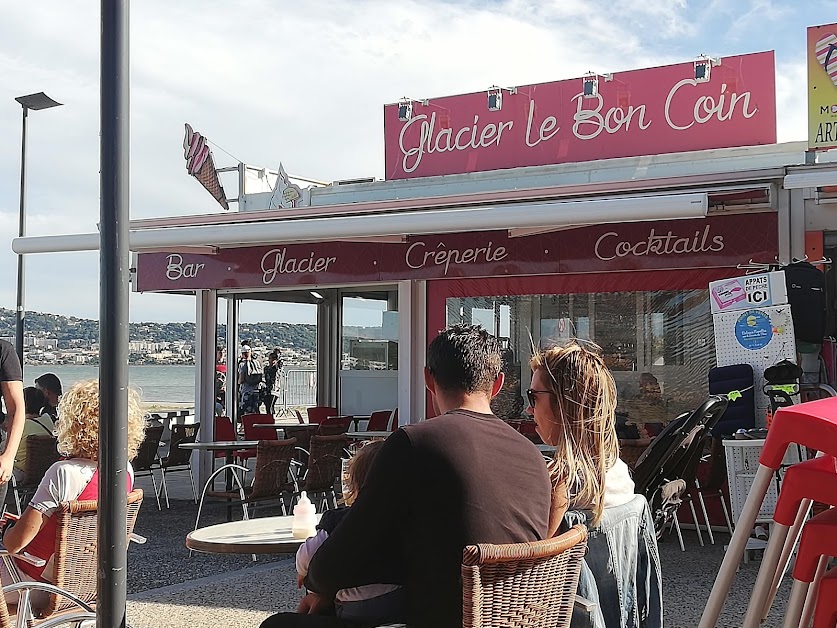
{"points": [[812, 425]]}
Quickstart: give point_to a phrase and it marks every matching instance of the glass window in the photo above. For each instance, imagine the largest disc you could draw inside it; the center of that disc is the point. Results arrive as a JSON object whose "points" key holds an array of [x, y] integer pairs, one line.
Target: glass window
{"points": [[370, 332], [659, 345]]}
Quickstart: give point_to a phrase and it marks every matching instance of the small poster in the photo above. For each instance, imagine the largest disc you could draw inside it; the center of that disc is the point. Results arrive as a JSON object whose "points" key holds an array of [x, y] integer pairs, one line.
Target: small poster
{"points": [[753, 330], [822, 87], [751, 291]]}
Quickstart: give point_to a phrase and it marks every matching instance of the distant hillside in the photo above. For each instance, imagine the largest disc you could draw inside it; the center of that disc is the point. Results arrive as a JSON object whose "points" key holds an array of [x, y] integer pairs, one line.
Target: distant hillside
{"points": [[69, 330]]}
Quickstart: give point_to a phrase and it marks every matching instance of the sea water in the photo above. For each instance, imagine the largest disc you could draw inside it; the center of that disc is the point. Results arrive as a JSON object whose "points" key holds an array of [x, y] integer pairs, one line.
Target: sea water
{"points": [[173, 383]]}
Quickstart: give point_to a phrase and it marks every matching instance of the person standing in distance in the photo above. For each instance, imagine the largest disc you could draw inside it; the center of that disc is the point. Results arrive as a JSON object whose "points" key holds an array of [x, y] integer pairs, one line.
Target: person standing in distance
{"points": [[50, 385], [461, 478], [11, 386]]}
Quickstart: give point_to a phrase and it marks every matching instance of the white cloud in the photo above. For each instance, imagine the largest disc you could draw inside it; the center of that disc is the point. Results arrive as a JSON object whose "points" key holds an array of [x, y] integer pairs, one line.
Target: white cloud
{"points": [[272, 80]]}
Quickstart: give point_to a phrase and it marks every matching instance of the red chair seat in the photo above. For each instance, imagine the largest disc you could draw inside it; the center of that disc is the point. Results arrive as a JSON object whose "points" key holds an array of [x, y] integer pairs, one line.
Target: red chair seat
{"points": [[825, 615]]}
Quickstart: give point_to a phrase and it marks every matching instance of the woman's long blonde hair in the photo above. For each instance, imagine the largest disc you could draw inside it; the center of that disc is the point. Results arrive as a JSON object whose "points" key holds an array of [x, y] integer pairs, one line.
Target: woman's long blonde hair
{"points": [[78, 422], [584, 403]]}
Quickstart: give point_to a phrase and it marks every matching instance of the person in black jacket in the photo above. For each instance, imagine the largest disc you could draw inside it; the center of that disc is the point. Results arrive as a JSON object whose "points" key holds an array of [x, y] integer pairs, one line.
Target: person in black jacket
{"points": [[461, 478]]}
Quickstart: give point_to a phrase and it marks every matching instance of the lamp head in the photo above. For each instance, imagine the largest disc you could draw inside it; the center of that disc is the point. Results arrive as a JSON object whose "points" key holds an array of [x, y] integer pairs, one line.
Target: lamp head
{"points": [[36, 102]]}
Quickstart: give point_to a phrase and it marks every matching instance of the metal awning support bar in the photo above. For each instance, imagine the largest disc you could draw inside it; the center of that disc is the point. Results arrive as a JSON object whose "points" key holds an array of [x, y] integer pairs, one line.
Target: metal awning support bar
{"points": [[478, 218]]}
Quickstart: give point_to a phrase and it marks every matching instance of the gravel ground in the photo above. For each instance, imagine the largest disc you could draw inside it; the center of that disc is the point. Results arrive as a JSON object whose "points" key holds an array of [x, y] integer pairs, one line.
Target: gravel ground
{"points": [[164, 559], [169, 588]]}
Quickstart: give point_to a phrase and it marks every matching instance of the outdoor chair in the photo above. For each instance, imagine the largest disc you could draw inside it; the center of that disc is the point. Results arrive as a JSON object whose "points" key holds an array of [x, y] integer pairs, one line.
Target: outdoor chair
{"points": [[317, 414], [75, 565], [258, 433], [323, 468], [299, 416], [334, 425], [41, 454], [180, 459], [224, 431], [148, 457], [380, 421], [271, 480], [526, 585]]}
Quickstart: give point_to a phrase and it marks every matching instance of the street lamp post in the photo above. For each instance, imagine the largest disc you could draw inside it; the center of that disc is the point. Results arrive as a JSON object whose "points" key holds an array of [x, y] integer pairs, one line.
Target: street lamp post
{"points": [[33, 102]]}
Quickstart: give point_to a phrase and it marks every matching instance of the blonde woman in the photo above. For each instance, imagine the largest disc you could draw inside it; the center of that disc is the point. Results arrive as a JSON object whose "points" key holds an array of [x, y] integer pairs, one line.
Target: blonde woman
{"points": [[76, 477], [573, 400]]}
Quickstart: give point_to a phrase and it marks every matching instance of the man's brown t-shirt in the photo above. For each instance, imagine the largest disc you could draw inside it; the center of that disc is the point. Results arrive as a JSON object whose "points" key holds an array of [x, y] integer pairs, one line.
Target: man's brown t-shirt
{"points": [[435, 487]]}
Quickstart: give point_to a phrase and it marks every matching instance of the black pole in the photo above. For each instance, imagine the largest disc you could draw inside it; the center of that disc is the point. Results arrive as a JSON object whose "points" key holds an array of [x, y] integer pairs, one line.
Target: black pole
{"points": [[113, 316], [21, 269]]}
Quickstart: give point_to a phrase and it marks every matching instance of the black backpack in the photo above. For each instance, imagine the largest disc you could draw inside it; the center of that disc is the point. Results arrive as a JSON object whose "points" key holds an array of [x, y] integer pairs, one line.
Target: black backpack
{"points": [[806, 296]]}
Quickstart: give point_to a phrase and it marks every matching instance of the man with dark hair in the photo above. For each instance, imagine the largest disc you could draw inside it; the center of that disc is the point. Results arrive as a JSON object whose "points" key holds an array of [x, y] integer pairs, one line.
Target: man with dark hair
{"points": [[461, 478], [50, 385]]}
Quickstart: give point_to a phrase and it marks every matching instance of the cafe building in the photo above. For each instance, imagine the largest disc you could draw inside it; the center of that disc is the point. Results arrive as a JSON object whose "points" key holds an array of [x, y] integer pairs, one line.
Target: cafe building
{"points": [[599, 208]]}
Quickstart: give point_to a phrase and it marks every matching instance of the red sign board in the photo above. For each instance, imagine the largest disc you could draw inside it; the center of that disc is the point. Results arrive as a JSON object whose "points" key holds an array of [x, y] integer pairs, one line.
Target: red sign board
{"points": [[640, 112], [722, 241]]}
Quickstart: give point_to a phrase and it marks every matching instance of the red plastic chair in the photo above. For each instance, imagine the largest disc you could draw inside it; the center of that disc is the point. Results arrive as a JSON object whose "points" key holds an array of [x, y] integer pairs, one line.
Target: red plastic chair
{"points": [[812, 425], [224, 431], [258, 433], [818, 544], [826, 611], [394, 424], [317, 414], [380, 421], [334, 425]]}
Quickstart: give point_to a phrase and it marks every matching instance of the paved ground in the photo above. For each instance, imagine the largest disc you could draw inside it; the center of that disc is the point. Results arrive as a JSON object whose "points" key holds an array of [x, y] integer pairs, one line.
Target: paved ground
{"points": [[169, 588]]}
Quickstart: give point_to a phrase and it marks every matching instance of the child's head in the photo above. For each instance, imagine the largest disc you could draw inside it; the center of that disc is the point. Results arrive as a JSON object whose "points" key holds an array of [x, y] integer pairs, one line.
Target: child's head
{"points": [[573, 400], [359, 466], [34, 400]]}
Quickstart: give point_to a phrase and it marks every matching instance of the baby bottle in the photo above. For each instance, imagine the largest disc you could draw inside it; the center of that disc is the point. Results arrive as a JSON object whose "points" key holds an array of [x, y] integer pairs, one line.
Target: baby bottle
{"points": [[305, 518]]}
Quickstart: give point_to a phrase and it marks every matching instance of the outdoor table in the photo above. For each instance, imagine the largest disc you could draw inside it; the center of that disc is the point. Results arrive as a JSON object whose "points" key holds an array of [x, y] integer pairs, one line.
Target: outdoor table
{"points": [[368, 435], [229, 447], [267, 535]]}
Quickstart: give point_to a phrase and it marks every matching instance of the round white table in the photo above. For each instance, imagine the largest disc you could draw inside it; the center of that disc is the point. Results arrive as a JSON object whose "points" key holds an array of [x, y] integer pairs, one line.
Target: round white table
{"points": [[267, 535]]}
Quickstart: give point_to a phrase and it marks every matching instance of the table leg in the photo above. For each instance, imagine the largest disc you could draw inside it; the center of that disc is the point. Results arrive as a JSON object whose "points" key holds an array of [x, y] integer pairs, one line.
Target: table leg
{"points": [[228, 459]]}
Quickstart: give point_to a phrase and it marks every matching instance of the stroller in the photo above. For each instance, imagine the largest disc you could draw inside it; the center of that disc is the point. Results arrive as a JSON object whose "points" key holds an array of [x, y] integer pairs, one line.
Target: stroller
{"points": [[667, 469]]}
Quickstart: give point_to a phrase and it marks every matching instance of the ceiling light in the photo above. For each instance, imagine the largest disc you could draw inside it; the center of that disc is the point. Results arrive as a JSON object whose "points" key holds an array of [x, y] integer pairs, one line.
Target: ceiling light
{"points": [[317, 295]]}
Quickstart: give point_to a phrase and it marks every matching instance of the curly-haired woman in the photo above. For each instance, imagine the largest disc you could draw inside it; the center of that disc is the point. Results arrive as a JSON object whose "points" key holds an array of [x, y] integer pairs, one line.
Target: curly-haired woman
{"points": [[75, 477]]}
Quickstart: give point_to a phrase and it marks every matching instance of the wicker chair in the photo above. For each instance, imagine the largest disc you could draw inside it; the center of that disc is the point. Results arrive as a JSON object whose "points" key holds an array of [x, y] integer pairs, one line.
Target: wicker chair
{"points": [[148, 457], [85, 612], [324, 467], [524, 585], [271, 479], [75, 561], [41, 454], [180, 459]]}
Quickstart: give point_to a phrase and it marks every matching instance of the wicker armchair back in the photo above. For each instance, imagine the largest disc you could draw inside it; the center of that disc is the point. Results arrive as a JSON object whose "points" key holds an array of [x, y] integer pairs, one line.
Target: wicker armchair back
{"points": [[526, 585]]}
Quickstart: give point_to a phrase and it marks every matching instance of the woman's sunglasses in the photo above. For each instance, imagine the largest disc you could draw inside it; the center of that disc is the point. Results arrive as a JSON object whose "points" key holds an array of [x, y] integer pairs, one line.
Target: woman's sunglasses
{"points": [[532, 395]]}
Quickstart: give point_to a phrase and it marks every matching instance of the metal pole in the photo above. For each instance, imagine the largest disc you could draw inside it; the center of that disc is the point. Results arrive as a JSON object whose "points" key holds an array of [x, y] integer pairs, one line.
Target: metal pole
{"points": [[21, 270], [113, 315]]}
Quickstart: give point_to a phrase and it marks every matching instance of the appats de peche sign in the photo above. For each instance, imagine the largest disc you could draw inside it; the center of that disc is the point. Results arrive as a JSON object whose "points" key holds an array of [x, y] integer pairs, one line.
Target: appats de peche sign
{"points": [[639, 112]]}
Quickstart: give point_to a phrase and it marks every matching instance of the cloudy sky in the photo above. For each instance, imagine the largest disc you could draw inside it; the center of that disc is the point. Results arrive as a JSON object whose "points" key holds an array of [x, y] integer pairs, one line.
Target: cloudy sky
{"points": [[304, 83]]}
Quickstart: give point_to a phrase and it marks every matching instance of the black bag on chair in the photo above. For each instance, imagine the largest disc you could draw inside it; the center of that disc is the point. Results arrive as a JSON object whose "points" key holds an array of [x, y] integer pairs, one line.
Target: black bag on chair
{"points": [[806, 295]]}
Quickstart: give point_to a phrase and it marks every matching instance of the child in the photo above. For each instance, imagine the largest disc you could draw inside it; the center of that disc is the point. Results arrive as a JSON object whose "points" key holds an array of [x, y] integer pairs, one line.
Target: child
{"points": [[369, 604]]}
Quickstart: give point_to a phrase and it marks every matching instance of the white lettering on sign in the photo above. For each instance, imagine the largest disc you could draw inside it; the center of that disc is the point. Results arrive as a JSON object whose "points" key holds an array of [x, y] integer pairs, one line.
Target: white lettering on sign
{"points": [[609, 247], [706, 107], [443, 141], [276, 262], [683, 109], [418, 256], [616, 118], [175, 268]]}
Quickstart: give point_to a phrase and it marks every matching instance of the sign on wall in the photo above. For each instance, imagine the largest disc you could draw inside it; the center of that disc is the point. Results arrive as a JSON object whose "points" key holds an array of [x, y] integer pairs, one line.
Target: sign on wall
{"points": [[822, 86], [721, 241], [741, 293], [640, 112]]}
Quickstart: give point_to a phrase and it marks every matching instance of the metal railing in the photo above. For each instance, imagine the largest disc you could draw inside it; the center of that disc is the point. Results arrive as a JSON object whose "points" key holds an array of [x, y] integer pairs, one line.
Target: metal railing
{"points": [[299, 388]]}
